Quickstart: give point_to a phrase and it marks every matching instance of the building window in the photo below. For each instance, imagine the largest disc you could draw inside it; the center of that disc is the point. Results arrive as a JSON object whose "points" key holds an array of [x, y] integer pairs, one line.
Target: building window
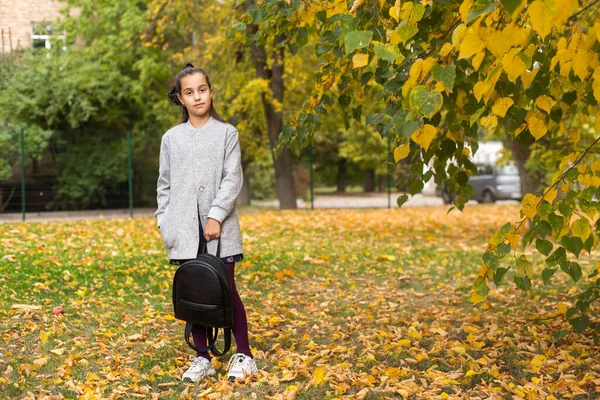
{"points": [[43, 36]]}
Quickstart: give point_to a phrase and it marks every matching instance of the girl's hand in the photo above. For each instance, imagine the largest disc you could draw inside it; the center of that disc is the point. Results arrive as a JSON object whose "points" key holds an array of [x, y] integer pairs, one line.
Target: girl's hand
{"points": [[212, 230]]}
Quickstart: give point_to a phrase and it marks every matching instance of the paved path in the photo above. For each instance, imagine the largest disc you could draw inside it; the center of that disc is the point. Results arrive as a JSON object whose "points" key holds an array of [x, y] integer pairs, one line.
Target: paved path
{"points": [[371, 200]]}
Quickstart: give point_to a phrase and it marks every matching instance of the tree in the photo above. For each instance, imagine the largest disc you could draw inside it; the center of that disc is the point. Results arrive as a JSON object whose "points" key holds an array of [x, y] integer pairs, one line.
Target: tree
{"points": [[448, 69]]}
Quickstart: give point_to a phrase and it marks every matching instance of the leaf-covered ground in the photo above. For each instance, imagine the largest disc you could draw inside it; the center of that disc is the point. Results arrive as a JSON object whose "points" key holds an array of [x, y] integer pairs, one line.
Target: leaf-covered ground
{"points": [[347, 304]]}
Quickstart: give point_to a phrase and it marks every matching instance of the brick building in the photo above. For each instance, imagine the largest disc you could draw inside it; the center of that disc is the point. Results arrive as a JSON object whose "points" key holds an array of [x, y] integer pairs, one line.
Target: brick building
{"points": [[28, 23]]}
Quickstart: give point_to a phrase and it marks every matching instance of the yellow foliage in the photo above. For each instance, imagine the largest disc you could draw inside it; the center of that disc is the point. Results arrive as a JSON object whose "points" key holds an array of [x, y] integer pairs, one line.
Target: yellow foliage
{"points": [[501, 106], [537, 127], [395, 11], [464, 9], [529, 205], [336, 7], [477, 60], [424, 135], [471, 43], [545, 103], [360, 60], [401, 152], [513, 65], [541, 14]]}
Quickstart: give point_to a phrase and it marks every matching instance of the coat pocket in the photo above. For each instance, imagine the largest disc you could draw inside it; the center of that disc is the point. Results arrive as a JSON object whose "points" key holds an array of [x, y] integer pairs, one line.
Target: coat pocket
{"points": [[168, 236]]}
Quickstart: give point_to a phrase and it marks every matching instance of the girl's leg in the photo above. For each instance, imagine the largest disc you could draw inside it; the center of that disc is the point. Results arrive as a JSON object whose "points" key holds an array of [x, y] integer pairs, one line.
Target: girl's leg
{"points": [[240, 322], [199, 336]]}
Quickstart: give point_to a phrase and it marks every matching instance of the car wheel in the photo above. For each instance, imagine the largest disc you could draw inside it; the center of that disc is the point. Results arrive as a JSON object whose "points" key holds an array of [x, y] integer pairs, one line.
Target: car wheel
{"points": [[488, 197]]}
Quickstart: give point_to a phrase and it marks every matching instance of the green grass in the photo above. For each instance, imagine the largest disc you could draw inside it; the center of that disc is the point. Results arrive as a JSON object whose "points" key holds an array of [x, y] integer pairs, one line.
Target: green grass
{"points": [[379, 298]]}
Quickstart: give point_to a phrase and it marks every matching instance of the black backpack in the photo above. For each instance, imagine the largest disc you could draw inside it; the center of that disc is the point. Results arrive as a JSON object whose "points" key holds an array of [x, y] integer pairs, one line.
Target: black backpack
{"points": [[202, 296]]}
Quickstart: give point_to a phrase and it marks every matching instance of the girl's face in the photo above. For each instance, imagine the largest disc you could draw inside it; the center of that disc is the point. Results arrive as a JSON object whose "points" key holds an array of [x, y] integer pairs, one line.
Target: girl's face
{"points": [[195, 95]]}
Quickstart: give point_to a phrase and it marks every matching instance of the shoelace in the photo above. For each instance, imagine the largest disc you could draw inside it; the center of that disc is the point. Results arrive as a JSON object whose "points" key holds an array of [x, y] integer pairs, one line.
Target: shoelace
{"points": [[197, 362], [235, 360]]}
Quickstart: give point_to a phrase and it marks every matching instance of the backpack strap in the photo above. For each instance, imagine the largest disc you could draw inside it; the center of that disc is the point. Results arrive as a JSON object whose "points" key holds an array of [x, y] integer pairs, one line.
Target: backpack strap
{"points": [[212, 334]]}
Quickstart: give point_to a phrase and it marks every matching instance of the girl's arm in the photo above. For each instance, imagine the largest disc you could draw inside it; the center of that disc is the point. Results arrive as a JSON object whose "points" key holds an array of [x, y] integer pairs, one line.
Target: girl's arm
{"points": [[231, 183], [163, 186]]}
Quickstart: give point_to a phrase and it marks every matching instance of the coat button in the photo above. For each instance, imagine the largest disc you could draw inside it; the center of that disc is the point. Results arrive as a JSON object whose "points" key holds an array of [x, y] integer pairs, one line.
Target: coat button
{"points": [[198, 161], [194, 218], [204, 217], [201, 188]]}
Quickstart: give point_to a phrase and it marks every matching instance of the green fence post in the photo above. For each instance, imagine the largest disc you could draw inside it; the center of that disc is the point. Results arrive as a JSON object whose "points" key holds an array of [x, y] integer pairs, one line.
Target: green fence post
{"points": [[312, 182], [23, 172], [130, 173], [389, 177]]}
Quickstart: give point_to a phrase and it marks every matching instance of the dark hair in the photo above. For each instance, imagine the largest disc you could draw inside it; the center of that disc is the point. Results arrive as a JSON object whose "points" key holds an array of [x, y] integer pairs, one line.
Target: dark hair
{"points": [[189, 69]]}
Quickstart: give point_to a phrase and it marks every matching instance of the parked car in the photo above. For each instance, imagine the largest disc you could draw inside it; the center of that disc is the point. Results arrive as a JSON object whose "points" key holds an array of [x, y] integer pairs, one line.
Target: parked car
{"points": [[492, 183]]}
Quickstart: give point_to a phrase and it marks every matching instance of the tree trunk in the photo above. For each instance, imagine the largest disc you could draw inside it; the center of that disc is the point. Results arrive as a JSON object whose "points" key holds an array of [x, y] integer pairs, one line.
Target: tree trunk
{"points": [[369, 180], [244, 197], [521, 155], [382, 182], [285, 186], [342, 180]]}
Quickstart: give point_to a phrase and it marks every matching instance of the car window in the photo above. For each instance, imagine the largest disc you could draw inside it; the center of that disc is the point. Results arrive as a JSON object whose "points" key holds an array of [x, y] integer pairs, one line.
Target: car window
{"points": [[484, 169], [508, 170]]}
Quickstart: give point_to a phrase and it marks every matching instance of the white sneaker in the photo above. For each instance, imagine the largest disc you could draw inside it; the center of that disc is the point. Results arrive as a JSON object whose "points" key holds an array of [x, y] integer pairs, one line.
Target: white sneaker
{"points": [[200, 368], [240, 366]]}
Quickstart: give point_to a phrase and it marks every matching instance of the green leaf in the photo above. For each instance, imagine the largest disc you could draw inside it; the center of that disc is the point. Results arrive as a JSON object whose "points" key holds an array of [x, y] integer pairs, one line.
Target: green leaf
{"points": [[566, 208], [490, 259], [511, 5], [481, 288], [499, 275], [572, 244], [387, 52], [425, 102], [580, 324], [401, 200], [409, 127], [373, 119], [524, 266], [476, 116], [348, 23], [556, 222], [572, 269], [543, 246], [559, 335], [445, 74], [481, 7], [406, 30], [557, 257], [344, 100], [544, 210], [547, 274], [415, 187], [357, 40], [543, 229], [523, 283], [239, 26]]}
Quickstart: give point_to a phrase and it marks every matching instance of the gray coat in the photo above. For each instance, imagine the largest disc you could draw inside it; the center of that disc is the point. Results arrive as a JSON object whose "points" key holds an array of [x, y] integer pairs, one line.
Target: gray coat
{"points": [[200, 174]]}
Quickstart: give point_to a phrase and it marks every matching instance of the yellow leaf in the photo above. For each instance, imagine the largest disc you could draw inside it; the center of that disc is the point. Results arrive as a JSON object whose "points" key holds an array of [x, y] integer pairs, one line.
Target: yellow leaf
{"points": [[360, 60], [415, 69], [597, 30], [480, 89], [401, 152], [424, 136], [336, 7], [582, 228], [489, 122], [446, 49], [513, 65], [395, 11], [541, 14], [537, 127], [459, 350], [471, 43], [476, 298], [464, 9], [550, 195], [528, 76], [545, 103], [538, 360], [427, 65], [564, 10], [513, 239], [403, 342], [529, 204], [501, 105], [319, 375], [477, 60], [458, 34], [562, 308]]}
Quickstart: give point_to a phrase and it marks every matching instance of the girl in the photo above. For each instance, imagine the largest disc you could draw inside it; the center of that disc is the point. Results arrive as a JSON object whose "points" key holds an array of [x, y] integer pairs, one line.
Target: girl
{"points": [[200, 178]]}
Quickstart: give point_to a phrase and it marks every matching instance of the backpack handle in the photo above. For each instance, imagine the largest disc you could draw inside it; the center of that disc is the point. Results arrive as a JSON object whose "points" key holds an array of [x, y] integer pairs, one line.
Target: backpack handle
{"points": [[205, 247], [212, 334]]}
